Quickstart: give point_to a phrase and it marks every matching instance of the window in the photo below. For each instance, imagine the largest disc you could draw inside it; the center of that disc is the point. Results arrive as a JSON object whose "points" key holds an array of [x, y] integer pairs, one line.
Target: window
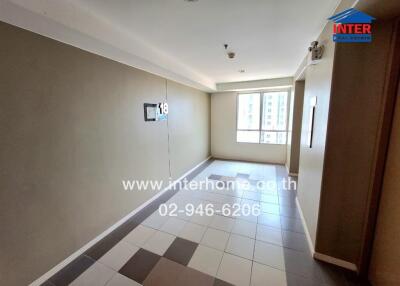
{"points": [[248, 123], [262, 117]]}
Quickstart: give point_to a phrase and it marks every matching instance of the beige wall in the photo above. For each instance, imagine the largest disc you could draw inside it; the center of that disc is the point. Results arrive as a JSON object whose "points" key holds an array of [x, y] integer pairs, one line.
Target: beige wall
{"points": [[290, 130], [223, 135], [349, 86], [189, 127], [355, 116], [384, 269], [317, 84], [318, 81], [72, 128], [294, 130]]}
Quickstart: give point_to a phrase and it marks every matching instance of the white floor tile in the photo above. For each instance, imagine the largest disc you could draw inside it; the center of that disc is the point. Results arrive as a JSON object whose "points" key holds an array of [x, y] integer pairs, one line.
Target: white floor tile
{"points": [[269, 254], [206, 259], [269, 199], [245, 228], [235, 270], [245, 203], [238, 193], [222, 223], [97, 274], [121, 280], [270, 208], [183, 215], [217, 198], [264, 275], [215, 238], [201, 219], [173, 226], [255, 175], [155, 221], [204, 196], [250, 217], [241, 246], [117, 256], [159, 242], [139, 235], [193, 232], [269, 234], [267, 191], [255, 196], [230, 200]]}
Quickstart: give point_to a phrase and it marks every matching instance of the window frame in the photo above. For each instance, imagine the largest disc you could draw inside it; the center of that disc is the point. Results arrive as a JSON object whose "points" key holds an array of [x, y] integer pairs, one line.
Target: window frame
{"points": [[260, 130]]}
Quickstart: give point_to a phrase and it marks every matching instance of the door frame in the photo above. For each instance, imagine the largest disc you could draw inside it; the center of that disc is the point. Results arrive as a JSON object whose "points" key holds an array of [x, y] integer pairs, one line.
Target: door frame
{"points": [[392, 82]]}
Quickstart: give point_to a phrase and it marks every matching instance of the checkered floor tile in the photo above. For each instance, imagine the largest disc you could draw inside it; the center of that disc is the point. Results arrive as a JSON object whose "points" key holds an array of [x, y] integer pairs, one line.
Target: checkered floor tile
{"points": [[150, 249]]}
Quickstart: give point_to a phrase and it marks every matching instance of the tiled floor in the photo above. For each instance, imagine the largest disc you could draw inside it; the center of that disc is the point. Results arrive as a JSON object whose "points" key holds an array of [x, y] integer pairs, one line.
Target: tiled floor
{"points": [[266, 249]]}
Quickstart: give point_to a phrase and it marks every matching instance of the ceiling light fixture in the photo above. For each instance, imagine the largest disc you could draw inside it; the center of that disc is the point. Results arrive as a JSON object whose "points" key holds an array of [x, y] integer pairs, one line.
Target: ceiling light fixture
{"points": [[230, 54], [242, 71]]}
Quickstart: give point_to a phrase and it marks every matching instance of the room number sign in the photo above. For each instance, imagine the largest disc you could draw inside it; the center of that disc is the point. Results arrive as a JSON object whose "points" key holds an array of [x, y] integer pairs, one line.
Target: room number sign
{"points": [[155, 112]]}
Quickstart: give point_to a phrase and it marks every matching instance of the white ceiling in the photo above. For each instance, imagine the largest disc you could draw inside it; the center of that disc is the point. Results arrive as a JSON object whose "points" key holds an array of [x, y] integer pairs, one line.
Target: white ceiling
{"points": [[270, 37]]}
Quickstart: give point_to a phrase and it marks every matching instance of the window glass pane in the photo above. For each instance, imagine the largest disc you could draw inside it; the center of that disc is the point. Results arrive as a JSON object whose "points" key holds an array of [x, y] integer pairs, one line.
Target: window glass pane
{"points": [[274, 111], [249, 111], [273, 137], [248, 136]]}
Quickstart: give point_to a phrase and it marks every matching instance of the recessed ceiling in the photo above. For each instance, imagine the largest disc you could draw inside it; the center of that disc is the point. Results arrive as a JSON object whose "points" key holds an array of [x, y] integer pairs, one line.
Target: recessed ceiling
{"points": [[270, 37]]}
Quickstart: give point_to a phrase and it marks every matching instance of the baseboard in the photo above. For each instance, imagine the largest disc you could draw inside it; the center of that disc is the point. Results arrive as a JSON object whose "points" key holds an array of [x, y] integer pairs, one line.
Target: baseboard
{"points": [[303, 221], [291, 173], [83, 249], [247, 161], [287, 169], [336, 261], [320, 256]]}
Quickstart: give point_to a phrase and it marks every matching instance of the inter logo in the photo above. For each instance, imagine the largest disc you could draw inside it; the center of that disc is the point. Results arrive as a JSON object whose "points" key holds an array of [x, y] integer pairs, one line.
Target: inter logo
{"points": [[352, 26]]}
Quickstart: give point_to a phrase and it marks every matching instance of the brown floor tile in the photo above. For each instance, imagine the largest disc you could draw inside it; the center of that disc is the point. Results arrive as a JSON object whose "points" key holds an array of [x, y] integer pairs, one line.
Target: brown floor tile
{"points": [[104, 245], [289, 201], [219, 282], [294, 240], [181, 251], [193, 277], [214, 177], [228, 179], [47, 283], [140, 265], [165, 273], [242, 176], [292, 224], [69, 273]]}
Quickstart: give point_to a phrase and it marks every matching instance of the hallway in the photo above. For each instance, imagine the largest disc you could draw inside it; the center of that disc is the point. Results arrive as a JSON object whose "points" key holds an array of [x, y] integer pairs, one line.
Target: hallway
{"points": [[193, 249], [161, 143]]}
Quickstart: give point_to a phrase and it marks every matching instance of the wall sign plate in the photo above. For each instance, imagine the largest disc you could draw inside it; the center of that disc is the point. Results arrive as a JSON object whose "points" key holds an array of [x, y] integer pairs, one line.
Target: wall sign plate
{"points": [[150, 112], [155, 112]]}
